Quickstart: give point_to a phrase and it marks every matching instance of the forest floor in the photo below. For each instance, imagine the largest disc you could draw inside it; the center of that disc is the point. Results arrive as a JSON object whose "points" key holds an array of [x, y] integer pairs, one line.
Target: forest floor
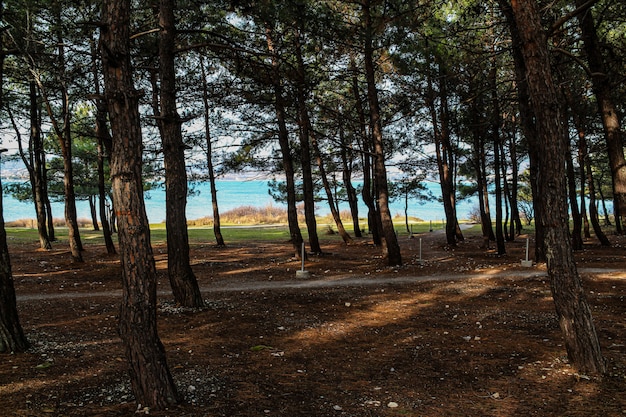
{"points": [[457, 332]]}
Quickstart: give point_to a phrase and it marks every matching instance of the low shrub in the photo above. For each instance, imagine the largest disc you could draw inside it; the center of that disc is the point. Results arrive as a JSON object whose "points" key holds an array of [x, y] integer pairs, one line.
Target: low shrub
{"points": [[246, 215]]}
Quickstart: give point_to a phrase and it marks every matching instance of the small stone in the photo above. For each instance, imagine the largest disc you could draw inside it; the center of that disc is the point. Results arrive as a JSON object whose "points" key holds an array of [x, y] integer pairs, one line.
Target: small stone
{"points": [[337, 408], [392, 404]]}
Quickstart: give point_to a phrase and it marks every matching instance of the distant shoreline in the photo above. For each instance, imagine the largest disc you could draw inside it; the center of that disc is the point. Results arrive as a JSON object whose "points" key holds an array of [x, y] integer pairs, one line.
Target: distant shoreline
{"points": [[233, 193]]}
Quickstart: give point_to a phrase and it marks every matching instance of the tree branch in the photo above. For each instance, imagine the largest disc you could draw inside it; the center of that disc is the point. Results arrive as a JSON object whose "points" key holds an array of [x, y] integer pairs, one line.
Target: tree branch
{"points": [[147, 32], [571, 15], [579, 62]]}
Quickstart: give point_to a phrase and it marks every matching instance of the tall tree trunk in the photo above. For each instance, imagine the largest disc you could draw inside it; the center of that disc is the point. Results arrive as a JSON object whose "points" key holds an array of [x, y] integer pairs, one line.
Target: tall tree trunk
{"points": [[577, 221], [506, 191], [33, 167], [391, 248], [497, 158], [603, 90], [308, 191], [515, 218], [101, 133], [587, 176], [12, 339], [304, 125], [38, 168], [577, 237], [593, 211], [217, 226], [94, 215], [49, 217], [71, 217], [43, 210], [367, 192], [605, 211], [405, 197], [346, 172], [479, 163], [572, 309], [113, 218], [34, 162], [182, 279], [285, 148], [151, 381], [65, 141], [334, 210], [103, 138], [500, 246], [444, 154], [583, 176], [64, 136], [529, 128]]}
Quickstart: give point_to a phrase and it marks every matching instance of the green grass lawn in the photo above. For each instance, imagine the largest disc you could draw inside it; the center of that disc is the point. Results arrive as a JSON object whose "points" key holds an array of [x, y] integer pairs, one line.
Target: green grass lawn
{"points": [[231, 233]]}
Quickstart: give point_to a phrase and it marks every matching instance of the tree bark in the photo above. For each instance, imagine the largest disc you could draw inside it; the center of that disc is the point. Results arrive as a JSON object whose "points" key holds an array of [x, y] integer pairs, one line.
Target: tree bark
{"points": [[497, 158], [444, 154], [329, 193], [103, 138], [605, 211], [101, 129], [12, 339], [33, 165], [285, 148], [577, 237], [151, 381], [572, 309], [509, 227], [603, 90], [65, 141], [92, 210], [587, 177], [346, 172], [49, 218], [304, 125], [515, 218], [583, 176], [391, 248], [182, 279], [529, 128], [593, 211], [38, 168], [367, 192], [479, 170], [35, 160], [64, 137]]}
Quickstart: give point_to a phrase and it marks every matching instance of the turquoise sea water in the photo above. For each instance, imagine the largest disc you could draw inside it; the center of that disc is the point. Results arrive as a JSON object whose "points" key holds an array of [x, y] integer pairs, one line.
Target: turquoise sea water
{"points": [[232, 194]]}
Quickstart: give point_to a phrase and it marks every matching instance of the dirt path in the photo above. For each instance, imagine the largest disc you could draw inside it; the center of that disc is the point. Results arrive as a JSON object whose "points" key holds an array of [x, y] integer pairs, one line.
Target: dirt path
{"points": [[328, 282]]}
